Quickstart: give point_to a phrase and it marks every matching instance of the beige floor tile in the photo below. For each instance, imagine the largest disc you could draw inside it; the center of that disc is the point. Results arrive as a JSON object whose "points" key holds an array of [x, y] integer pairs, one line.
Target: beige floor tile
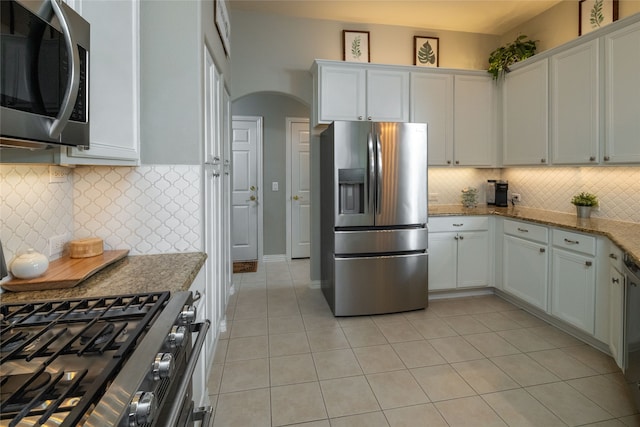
{"points": [[396, 389], [220, 353], [561, 364], [441, 382], [355, 321], [288, 344], [415, 416], [607, 423], [400, 331], [378, 358], [372, 419], [322, 423], [247, 348], [484, 377], [433, 328], [632, 421], [568, 404], [288, 308], [215, 378], [327, 339], [455, 349], [555, 336], [466, 325], [491, 344], [286, 324], [525, 340], [519, 409], [596, 360], [296, 403], [469, 411], [319, 320], [419, 315], [496, 321], [448, 307], [610, 392], [523, 318], [415, 354], [383, 319], [250, 310], [298, 368], [244, 409], [524, 370], [348, 396], [365, 335], [245, 375], [336, 364], [249, 328]]}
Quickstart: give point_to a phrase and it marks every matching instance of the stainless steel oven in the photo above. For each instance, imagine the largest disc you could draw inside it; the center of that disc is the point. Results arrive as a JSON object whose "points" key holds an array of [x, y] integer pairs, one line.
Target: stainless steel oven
{"points": [[120, 361], [44, 75], [632, 327]]}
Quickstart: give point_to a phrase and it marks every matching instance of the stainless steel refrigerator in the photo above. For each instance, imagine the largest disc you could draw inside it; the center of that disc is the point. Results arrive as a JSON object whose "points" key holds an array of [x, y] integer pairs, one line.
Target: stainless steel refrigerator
{"points": [[374, 236]]}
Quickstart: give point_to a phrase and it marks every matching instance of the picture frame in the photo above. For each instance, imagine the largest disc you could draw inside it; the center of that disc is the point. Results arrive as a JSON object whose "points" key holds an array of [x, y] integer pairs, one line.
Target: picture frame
{"points": [[426, 51], [593, 14], [355, 46], [223, 24]]}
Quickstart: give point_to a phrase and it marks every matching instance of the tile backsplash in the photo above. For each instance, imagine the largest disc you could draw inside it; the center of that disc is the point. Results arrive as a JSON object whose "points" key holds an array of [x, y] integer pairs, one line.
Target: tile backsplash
{"points": [[147, 209]]}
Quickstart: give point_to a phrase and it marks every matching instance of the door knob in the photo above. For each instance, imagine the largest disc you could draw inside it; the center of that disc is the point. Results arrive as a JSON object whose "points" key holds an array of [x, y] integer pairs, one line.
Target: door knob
{"points": [[252, 188], [297, 197], [252, 199]]}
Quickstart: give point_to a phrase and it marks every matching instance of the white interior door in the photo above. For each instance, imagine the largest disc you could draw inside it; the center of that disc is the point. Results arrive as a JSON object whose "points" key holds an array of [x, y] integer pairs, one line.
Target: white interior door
{"points": [[246, 141], [300, 224]]}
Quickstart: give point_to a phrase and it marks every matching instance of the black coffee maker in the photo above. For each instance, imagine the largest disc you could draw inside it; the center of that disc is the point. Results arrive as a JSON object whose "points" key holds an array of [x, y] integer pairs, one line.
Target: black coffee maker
{"points": [[501, 193]]}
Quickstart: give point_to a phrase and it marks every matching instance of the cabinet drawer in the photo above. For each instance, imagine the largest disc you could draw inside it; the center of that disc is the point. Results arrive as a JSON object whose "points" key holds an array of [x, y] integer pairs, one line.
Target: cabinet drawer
{"points": [[527, 231], [459, 223], [574, 241]]}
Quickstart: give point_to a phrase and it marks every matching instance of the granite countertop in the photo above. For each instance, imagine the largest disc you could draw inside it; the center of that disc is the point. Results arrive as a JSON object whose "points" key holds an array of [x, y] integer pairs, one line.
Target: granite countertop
{"points": [[624, 234], [131, 275]]}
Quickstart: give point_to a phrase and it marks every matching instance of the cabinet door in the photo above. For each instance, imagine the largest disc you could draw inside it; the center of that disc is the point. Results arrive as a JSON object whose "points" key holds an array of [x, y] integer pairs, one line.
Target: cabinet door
{"points": [[387, 96], [616, 315], [573, 285], [432, 103], [473, 259], [526, 115], [114, 84], [525, 270], [474, 121], [341, 93], [575, 83], [622, 102], [443, 249]]}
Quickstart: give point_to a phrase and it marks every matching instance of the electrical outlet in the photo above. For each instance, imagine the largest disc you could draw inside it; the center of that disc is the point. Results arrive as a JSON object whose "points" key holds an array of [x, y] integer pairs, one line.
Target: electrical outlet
{"points": [[58, 174], [56, 244], [516, 197]]}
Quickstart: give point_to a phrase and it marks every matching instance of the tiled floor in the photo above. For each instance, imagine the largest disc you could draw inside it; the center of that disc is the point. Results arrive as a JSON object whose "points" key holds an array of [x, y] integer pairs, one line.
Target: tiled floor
{"points": [[465, 362]]}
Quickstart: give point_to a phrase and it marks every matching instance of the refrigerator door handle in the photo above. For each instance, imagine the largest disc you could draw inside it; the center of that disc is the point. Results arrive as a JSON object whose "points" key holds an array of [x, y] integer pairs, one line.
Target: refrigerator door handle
{"points": [[379, 175], [372, 172]]}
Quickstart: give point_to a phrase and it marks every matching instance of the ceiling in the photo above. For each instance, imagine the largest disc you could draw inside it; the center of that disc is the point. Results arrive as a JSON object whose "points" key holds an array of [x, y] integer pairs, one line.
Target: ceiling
{"points": [[494, 17]]}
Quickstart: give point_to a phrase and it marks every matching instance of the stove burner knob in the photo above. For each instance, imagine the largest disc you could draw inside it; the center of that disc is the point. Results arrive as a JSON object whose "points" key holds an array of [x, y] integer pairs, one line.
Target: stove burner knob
{"points": [[142, 409], [176, 337], [188, 315], [162, 366]]}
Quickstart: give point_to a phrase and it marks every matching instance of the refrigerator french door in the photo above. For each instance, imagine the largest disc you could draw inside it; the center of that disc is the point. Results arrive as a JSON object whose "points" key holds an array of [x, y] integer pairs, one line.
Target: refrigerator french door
{"points": [[374, 217]]}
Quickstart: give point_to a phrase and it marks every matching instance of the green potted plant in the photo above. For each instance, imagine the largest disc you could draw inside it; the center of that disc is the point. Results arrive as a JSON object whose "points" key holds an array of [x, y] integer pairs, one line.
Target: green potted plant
{"points": [[584, 202], [501, 58]]}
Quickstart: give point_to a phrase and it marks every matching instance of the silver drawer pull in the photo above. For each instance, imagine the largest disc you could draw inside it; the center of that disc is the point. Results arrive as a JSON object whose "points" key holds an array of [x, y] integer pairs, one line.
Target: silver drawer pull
{"points": [[588, 263], [542, 250], [523, 230], [572, 242], [458, 225], [615, 280]]}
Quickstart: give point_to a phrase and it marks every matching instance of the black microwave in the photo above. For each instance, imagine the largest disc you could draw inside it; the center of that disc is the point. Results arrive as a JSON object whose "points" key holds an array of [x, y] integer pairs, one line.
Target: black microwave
{"points": [[44, 75]]}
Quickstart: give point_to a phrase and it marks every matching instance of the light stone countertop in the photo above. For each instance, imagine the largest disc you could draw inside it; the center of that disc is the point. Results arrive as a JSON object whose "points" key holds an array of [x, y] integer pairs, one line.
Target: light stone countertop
{"points": [[625, 235], [131, 275]]}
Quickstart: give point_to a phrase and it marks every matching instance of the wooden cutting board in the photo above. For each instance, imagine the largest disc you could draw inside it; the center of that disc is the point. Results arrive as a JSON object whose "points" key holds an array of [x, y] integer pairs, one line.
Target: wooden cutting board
{"points": [[66, 272]]}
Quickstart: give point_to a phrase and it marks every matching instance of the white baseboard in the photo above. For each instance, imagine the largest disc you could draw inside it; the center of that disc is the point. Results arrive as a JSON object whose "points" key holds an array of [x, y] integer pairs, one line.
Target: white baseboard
{"points": [[274, 258]]}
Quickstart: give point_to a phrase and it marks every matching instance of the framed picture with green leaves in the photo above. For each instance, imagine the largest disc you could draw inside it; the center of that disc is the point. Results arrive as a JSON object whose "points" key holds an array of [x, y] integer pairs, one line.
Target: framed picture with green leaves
{"points": [[593, 14], [426, 51], [355, 46]]}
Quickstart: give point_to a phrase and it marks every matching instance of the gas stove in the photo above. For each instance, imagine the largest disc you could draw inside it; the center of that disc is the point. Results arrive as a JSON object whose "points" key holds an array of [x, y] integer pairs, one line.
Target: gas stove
{"points": [[107, 361]]}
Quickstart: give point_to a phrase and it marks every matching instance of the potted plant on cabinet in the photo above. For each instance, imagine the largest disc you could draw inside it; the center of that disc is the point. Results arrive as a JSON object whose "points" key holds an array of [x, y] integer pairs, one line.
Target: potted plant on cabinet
{"points": [[504, 56], [584, 202]]}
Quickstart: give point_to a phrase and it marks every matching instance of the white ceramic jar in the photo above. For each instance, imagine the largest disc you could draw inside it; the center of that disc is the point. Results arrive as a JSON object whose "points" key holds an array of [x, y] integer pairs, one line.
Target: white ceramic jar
{"points": [[29, 265]]}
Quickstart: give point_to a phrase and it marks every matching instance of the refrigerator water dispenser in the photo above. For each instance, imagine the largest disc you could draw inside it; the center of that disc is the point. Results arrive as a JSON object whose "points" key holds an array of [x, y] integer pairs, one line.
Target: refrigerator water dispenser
{"points": [[351, 182]]}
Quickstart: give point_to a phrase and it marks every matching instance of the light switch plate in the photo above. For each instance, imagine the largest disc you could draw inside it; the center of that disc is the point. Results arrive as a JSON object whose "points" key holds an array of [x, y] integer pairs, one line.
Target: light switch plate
{"points": [[274, 186]]}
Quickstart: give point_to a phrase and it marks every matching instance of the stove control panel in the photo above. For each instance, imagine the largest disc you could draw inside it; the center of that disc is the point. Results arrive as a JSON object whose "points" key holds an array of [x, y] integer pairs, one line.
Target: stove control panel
{"points": [[162, 366], [188, 315], [142, 409], [176, 336]]}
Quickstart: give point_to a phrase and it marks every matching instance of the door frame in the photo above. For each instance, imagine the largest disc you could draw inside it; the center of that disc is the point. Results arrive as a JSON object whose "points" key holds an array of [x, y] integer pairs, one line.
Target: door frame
{"points": [[259, 138], [288, 122]]}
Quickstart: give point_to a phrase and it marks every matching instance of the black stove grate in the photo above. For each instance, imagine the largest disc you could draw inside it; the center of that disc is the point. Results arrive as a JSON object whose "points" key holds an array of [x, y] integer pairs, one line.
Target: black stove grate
{"points": [[78, 345]]}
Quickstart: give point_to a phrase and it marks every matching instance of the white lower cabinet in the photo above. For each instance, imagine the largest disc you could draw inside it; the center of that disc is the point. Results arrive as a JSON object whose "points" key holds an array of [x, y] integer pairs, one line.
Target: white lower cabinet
{"points": [[459, 255], [200, 393], [616, 305], [573, 279], [526, 263]]}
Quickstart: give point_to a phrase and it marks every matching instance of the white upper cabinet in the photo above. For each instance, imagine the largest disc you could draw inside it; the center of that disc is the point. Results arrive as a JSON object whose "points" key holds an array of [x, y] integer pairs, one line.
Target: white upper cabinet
{"points": [[387, 95], [622, 95], [474, 121], [575, 84], [526, 115], [114, 91], [432, 103]]}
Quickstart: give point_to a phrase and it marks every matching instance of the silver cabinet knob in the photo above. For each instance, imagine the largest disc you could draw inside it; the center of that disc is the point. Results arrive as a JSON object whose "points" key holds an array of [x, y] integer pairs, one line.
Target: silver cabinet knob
{"points": [[142, 409], [162, 366]]}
